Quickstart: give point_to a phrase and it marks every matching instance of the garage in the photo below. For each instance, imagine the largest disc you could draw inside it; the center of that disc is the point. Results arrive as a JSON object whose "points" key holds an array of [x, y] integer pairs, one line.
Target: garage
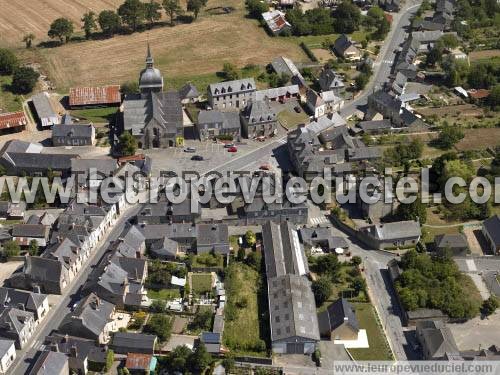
{"points": [[295, 348]]}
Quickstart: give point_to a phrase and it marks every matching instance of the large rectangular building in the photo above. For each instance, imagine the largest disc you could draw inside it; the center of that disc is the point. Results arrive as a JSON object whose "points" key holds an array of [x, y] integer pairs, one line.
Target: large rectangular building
{"points": [[231, 95], [95, 96]]}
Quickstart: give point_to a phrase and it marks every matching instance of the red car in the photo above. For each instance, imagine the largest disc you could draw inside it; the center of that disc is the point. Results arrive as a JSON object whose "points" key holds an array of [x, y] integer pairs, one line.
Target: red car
{"points": [[232, 149]]}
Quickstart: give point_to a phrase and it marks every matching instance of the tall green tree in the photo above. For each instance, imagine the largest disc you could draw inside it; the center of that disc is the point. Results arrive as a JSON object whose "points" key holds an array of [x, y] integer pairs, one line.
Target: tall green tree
{"points": [[152, 12], [24, 80], [89, 24], [28, 39], [33, 247], [196, 6], [127, 144], [62, 29], [449, 136], [110, 22], [200, 359], [11, 249], [230, 72], [347, 18], [412, 211], [132, 13], [322, 290], [8, 62], [173, 9]]}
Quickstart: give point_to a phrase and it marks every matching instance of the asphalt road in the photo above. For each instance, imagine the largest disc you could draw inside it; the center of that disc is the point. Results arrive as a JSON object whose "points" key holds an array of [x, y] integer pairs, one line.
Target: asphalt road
{"points": [[26, 357]]}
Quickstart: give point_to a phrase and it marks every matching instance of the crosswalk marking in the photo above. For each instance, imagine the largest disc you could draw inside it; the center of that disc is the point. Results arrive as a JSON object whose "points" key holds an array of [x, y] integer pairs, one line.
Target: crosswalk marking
{"points": [[319, 220], [282, 141]]}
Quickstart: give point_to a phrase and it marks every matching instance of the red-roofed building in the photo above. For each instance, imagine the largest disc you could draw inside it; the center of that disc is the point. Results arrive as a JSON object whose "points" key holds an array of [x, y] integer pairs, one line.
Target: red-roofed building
{"points": [[479, 94], [91, 96], [140, 363], [12, 122]]}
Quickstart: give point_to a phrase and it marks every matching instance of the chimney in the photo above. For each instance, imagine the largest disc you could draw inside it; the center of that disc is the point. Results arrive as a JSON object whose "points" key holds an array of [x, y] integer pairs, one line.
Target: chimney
{"points": [[20, 306], [65, 338], [36, 289]]}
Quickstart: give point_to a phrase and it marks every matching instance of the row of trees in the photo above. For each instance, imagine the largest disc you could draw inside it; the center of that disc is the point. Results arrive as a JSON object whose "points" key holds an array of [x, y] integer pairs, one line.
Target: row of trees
{"points": [[24, 78], [132, 14]]}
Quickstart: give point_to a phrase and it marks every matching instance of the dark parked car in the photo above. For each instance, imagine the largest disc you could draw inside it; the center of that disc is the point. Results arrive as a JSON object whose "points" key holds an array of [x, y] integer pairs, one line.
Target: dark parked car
{"points": [[297, 109], [197, 157]]}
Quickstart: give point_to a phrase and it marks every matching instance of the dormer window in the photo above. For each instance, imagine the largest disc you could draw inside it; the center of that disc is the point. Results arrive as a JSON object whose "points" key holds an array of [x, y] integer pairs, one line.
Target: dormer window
{"points": [[223, 90], [229, 89], [242, 87], [216, 91], [249, 86]]}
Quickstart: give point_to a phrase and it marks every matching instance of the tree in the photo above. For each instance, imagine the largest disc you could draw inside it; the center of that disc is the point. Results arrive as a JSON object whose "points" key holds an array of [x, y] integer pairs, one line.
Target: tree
{"points": [[129, 87], [361, 81], [89, 24], [33, 247], [62, 29], [110, 358], [8, 62], [152, 12], [256, 8], [250, 238], [356, 261], [229, 363], [489, 306], [449, 41], [374, 16], [358, 284], [347, 18], [449, 136], [322, 290], [434, 56], [157, 306], [159, 325], [241, 254], [383, 28], [24, 80], [28, 39], [11, 249], [230, 72], [109, 21], [172, 8], [200, 359], [494, 98], [196, 6], [202, 320], [132, 13], [412, 211], [127, 144], [328, 264]]}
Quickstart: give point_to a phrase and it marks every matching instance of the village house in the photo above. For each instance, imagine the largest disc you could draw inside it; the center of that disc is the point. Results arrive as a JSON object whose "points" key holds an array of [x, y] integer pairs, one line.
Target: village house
{"points": [[338, 321], [315, 104], [276, 22], [231, 95], [258, 119], [212, 238], [130, 342], [436, 340], [212, 124], [70, 134], [92, 319], [153, 117], [391, 235], [12, 211], [23, 234], [329, 80], [283, 66], [36, 303], [189, 94], [455, 243], [7, 355], [279, 94], [51, 363], [17, 325], [344, 47], [491, 231]]}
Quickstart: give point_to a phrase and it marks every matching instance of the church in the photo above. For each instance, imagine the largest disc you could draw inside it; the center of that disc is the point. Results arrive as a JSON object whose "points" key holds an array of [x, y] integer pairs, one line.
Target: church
{"points": [[153, 116]]}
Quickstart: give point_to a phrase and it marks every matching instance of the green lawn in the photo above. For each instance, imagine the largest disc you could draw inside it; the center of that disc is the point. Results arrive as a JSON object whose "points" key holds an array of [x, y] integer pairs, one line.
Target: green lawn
{"points": [[208, 260], [163, 294], [95, 115], [200, 81], [8, 101], [291, 120], [245, 329], [201, 283], [379, 348]]}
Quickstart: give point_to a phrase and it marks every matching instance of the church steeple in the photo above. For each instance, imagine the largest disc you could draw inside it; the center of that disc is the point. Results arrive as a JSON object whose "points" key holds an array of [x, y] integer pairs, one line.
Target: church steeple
{"points": [[149, 58]]}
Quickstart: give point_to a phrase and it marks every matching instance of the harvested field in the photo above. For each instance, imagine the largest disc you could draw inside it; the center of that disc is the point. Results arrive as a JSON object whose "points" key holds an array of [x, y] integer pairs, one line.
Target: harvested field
{"points": [[463, 110], [479, 139], [322, 54], [19, 17], [194, 49], [480, 55]]}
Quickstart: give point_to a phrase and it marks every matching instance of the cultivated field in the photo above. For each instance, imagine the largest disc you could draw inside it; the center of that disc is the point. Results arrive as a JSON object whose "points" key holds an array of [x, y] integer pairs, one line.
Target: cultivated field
{"points": [[186, 50], [18, 17], [479, 139], [487, 54]]}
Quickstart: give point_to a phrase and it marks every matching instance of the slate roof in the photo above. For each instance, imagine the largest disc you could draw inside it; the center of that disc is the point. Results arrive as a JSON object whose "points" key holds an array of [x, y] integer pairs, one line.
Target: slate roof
{"points": [[328, 80], [5, 346], [311, 236], [43, 269], [228, 87], [50, 363], [93, 312], [30, 230], [86, 349], [14, 297], [437, 338], [274, 93], [133, 340], [65, 251], [136, 268], [42, 105], [283, 65], [314, 99], [341, 44], [394, 231], [284, 254], [212, 234], [105, 167], [172, 231], [226, 120], [338, 313], [452, 241], [188, 91], [325, 122], [210, 338], [492, 226], [292, 308], [259, 111], [77, 130], [13, 320], [384, 124]]}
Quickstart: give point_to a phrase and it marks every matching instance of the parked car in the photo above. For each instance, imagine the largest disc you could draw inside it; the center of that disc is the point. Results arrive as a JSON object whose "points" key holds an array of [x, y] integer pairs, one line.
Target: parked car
{"points": [[229, 145], [190, 149], [265, 167], [297, 109], [168, 174], [261, 138], [232, 149], [197, 157]]}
